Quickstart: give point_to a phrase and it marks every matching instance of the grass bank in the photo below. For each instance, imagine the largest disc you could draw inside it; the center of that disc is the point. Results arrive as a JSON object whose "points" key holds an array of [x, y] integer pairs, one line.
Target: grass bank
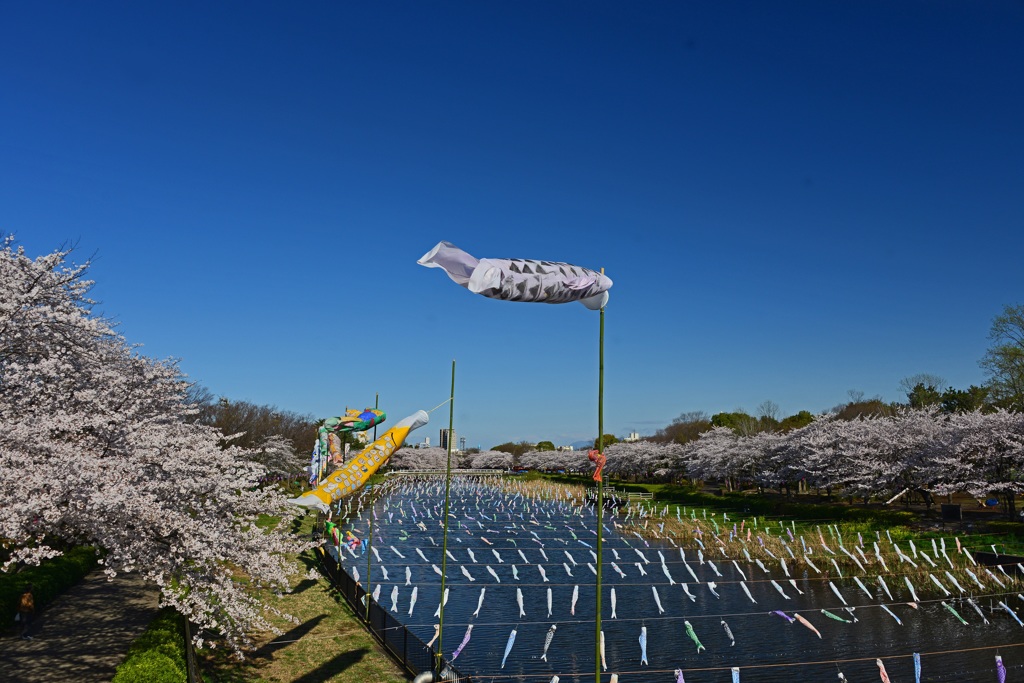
{"points": [[327, 645]]}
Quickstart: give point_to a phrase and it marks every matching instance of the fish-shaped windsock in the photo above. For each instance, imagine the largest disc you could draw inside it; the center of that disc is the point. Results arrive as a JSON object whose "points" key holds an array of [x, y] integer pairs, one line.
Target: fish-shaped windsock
{"points": [[782, 614], [807, 624], [412, 599], [575, 597], [836, 591], [977, 609], [508, 647], [686, 589], [712, 586], [779, 589], [466, 573], [1000, 670], [728, 632], [890, 612], [911, 587], [480, 601], [679, 676], [693, 636], [747, 591], [830, 615], [882, 672], [604, 662], [549, 602], [643, 645], [657, 600], [549, 282], [444, 601], [614, 602], [490, 571], [1009, 610], [543, 574], [599, 460], [465, 639], [437, 631], [394, 599], [547, 641]]}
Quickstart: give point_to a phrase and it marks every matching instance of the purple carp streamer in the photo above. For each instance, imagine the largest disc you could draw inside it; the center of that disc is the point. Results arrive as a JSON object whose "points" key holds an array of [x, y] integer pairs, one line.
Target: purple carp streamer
{"points": [[549, 282]]}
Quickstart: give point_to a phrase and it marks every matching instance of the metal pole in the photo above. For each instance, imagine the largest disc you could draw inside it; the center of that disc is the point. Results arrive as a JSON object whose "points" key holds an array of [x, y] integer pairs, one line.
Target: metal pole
{"points": [[369, 560], [376, 405], [444, 544], [600, 497]]}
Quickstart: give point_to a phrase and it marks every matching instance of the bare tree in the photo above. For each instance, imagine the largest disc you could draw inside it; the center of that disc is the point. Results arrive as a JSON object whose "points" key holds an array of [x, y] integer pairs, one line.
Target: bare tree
{"points": [[925, 379], [768, 410]]}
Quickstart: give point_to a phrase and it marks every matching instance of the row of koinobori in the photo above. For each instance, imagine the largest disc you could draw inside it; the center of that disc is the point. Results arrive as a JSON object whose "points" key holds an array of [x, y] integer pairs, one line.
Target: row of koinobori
{"points": [[550, 282], [503, 512]]}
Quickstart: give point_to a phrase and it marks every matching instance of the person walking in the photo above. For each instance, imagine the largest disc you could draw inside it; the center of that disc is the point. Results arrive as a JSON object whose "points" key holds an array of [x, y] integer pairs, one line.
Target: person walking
{"points": [[26, 609]]}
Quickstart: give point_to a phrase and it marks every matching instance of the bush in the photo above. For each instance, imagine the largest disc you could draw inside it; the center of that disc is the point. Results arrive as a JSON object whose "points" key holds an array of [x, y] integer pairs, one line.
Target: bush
{"points": [[51, 578], [158, 655]]}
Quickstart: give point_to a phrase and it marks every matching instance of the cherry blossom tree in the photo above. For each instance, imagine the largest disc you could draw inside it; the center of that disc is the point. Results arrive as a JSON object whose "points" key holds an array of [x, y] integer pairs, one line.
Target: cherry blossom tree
{"points": [[98, 446], [492, 460]]}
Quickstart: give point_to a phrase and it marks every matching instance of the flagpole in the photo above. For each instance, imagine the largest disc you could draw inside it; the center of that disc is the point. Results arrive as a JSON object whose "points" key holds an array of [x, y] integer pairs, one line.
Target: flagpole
{"points": [[600, 496], [369, 556], [444, 543]]}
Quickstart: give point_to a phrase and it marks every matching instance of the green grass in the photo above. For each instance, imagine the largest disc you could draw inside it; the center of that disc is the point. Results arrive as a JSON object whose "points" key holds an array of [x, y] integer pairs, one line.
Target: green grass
{"points": [[51, 578], [158, 655], [329, 644]]}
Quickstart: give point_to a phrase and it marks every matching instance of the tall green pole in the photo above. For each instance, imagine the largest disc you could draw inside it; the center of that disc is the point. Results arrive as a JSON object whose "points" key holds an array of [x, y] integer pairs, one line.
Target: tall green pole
{"points": [[444, 543], [376, 405], [369, 554], [600, 497]]}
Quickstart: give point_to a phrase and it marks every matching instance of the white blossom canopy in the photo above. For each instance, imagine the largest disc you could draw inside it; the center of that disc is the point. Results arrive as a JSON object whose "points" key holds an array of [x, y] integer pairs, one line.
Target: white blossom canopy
{"points": [[98, 446]]}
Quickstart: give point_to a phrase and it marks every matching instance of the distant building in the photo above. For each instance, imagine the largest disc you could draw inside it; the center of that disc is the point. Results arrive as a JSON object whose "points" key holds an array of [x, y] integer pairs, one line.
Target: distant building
{"points": [[443, 440], [633, 436], [566, 448]]}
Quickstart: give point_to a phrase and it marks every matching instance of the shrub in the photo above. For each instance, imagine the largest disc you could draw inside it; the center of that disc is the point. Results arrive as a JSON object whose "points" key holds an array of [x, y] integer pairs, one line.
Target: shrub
{"points": [[51, 578], [158, 655]]}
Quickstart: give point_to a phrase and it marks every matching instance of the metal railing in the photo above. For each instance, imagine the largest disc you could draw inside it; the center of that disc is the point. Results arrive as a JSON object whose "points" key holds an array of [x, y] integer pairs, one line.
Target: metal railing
{"points": [[191, 664], [405, 647]]}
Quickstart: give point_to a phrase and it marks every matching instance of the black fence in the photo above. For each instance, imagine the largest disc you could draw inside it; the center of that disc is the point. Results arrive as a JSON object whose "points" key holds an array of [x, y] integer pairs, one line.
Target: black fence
{"points": [[405, 647], [191, 663]]}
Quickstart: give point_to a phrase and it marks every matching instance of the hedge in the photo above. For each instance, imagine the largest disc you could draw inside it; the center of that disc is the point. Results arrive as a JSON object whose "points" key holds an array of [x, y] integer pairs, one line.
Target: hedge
{"points": [[51, 578], [158, 655]]}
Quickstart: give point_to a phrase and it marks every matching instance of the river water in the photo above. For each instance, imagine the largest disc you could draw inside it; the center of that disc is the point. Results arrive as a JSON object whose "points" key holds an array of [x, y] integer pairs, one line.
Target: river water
{"points": [[767, 647]]}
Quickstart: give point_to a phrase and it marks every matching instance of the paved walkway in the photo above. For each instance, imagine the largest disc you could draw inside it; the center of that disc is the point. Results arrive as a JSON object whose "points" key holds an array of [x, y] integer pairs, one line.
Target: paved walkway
{"points": [[83, 635]]}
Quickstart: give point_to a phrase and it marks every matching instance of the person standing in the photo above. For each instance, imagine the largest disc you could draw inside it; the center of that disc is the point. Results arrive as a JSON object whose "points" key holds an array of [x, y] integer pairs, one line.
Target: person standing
{"points": [[26, 609]]}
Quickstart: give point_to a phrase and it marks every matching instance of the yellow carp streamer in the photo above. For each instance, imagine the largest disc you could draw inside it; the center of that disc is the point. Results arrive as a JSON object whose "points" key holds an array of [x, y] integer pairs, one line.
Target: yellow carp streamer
{"points": [[354, 475]]}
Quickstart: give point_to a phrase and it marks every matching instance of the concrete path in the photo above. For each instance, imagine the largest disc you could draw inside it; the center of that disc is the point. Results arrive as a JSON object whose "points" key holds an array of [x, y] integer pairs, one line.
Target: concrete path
{"points": [[83, 635]]}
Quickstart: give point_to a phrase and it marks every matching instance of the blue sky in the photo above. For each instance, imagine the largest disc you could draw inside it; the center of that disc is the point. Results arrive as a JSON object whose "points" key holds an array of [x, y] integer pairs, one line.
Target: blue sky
{"points": [[793, 199]]}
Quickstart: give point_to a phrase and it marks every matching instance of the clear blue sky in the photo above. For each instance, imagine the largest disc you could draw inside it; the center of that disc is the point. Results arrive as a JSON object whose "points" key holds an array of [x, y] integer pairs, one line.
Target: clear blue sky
{"points": [[793, 199]]}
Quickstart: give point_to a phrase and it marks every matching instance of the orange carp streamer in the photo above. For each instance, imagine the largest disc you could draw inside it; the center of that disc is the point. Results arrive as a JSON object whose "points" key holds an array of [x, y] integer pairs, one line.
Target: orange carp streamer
{"points": [[597, 458]]}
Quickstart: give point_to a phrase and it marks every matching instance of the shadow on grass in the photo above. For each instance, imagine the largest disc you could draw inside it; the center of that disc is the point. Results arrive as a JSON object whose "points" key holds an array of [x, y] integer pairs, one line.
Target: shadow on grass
{"points": [[332, 668], [303, 585], [268, 650]]}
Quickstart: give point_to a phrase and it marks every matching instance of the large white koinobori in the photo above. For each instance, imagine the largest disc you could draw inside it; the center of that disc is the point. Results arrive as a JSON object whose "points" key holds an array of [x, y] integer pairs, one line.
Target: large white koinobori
{"points": [[547, 282]]}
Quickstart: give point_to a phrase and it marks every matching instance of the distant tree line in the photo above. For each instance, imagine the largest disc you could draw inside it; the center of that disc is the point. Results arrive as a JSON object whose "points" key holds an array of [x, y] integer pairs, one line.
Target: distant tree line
{"points": [[280, 440]]}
